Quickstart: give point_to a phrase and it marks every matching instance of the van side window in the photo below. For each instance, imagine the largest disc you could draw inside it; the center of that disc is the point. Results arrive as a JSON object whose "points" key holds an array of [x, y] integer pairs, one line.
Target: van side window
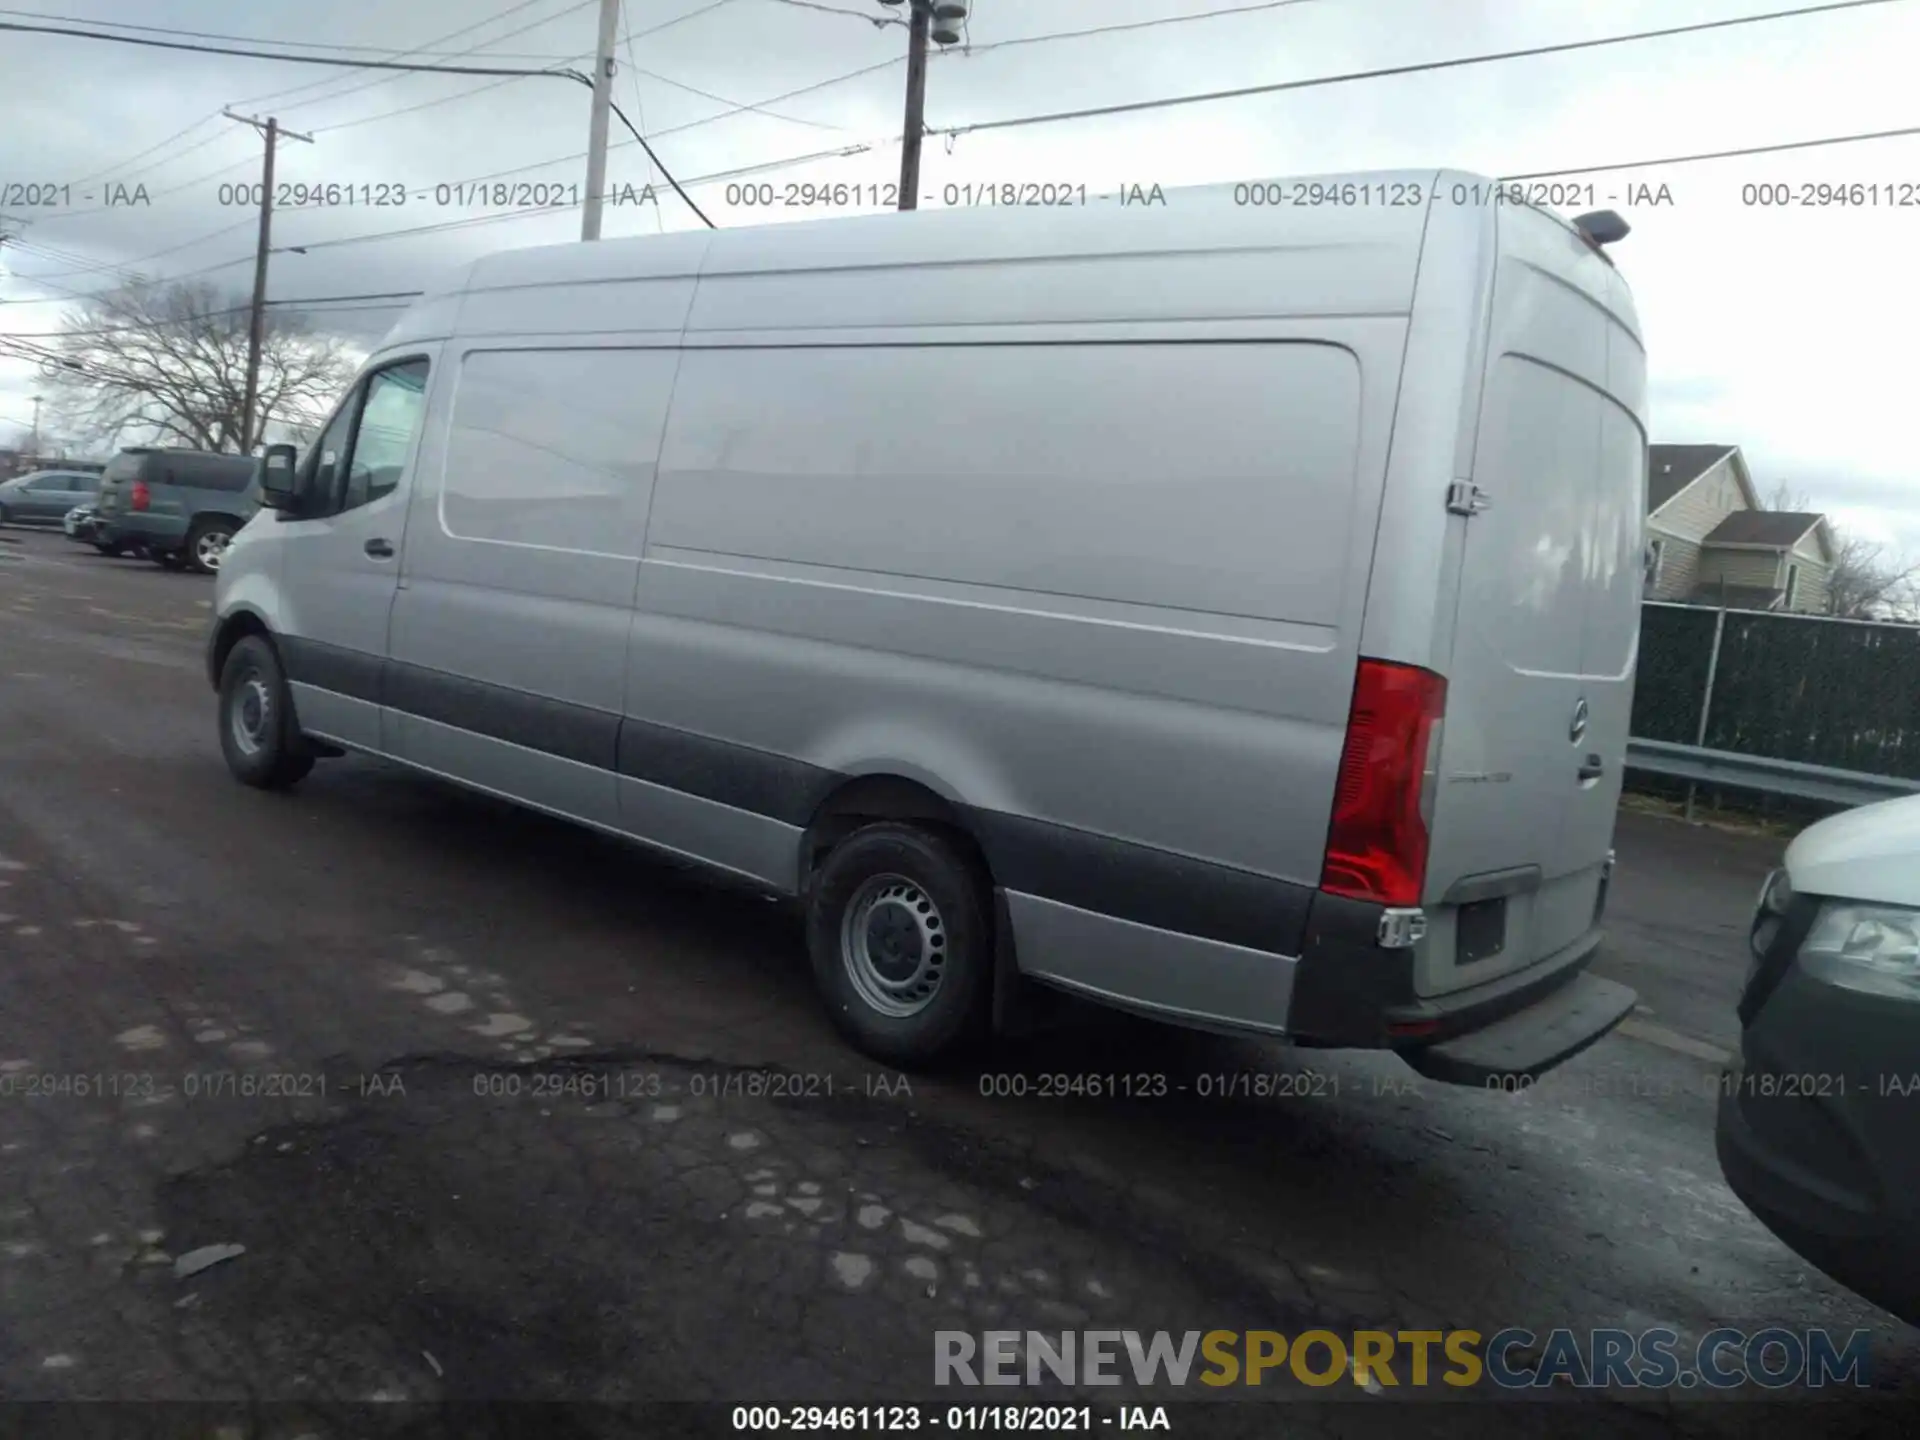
{"points": [[389, 420]]}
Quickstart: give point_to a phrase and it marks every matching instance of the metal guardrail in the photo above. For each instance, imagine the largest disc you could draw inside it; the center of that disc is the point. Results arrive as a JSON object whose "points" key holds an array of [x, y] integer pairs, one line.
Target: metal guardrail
{"points": [[1764, 774]]}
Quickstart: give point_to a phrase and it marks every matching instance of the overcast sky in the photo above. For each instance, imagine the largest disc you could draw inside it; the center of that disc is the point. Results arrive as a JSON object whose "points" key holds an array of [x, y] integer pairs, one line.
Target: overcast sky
{"points": [[1787, 331]]}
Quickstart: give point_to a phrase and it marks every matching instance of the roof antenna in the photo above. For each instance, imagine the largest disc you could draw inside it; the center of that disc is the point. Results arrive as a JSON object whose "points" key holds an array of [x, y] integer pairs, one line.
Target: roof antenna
{"points": [[1601, 227]]}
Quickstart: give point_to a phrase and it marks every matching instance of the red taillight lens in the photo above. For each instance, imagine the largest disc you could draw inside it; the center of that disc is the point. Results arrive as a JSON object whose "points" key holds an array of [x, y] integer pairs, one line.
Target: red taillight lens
{"points": [[1377, 846], [138, 499]]}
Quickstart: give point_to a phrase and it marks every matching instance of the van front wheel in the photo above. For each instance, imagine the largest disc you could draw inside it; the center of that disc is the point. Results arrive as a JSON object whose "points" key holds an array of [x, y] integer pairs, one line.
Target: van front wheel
{"points": [[899, 932], [262, 745]]}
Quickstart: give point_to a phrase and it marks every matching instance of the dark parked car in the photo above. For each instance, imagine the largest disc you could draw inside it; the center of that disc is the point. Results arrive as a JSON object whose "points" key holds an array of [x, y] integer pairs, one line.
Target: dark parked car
{"points": [[45, 497], [182, 506], [82, 527], [1818, 1110]]}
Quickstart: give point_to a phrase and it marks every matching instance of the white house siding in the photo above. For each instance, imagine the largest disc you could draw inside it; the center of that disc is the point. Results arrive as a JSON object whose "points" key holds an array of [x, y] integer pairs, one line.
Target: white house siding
{"points": [[1702, 505], [1741, 567], [1811, 594], [1679, 564]]}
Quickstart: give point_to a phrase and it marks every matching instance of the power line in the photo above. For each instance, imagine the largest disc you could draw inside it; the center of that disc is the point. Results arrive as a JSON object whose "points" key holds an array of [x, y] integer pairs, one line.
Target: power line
{"points": [[1720, 154], [467, 29], [463, 30], [573, 75], [679, 20], [169, 190], [784, 95], [466, 94], [655, 161], [971, 48], [876, 68], [132, 265], [879, 22], [308, 302], [640, 109], [762, 106], [850, 151], [1242, 92], [508, 77], [554, 160], [735, 106], [258, 39], [472, 221], [160, 145], [302, 59], [470, 50], [78, 263]]}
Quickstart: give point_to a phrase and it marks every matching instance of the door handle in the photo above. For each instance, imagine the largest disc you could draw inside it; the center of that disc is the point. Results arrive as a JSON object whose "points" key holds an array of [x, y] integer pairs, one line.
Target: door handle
{"points": [[380, 549], [1592, 768]]}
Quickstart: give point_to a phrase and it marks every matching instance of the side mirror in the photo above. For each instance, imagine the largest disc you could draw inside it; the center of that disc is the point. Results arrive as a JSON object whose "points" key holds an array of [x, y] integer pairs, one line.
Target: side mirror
{"points": [[279, 479]]}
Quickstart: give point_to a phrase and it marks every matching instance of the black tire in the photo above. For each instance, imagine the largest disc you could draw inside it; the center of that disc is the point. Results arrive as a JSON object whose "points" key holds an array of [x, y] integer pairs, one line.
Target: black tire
{"points": [[263, 747], [938, 905], [206, 541]]}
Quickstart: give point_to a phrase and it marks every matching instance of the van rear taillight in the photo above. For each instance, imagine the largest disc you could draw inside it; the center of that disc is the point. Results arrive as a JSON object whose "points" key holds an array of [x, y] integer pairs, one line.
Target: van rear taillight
{"points": [[139, 497], [1377, 845]]}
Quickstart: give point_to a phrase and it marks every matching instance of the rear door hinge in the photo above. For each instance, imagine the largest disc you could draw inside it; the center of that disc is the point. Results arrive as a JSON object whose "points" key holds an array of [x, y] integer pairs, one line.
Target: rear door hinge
{"points": [[1466, 498]]}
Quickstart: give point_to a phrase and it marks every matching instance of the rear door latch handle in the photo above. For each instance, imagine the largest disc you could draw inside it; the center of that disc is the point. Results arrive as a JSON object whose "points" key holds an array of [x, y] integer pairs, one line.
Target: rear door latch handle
{"points": [[1592, 768], [380, 549]]}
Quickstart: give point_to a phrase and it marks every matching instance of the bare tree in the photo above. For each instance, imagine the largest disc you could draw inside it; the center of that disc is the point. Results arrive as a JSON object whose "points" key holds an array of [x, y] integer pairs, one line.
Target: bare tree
{"points": [[1785, 496], [169, 363], [1866, 583]]}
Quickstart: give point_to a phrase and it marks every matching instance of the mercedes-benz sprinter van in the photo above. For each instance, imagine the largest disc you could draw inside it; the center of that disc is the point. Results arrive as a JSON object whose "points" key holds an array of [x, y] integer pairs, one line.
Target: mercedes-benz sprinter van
{"points": [[1223, 611]]}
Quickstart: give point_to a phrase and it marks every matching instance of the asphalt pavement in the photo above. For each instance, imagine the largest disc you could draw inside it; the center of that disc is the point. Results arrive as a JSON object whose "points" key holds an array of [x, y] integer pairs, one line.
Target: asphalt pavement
{"points": [[500, 1109]]}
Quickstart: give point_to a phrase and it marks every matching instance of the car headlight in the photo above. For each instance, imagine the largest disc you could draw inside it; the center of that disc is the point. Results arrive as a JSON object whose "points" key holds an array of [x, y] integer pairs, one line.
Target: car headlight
{"points": [[1874, 949]]}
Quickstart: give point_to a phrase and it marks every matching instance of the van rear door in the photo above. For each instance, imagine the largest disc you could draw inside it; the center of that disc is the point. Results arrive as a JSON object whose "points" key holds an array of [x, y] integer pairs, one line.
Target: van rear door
{"points": [[1545, 638]]}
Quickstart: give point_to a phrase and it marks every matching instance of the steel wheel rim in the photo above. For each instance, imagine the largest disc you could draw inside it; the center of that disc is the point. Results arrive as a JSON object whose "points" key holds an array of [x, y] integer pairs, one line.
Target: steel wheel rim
{"points": [[893, 945], [250, 716], [209, 548]]}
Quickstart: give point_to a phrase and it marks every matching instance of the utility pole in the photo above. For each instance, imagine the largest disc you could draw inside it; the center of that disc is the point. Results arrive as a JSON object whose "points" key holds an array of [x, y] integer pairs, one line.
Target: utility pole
{"points": [[602, 115], [33, 442], [916, 122], [257, 321], [939, 20]]}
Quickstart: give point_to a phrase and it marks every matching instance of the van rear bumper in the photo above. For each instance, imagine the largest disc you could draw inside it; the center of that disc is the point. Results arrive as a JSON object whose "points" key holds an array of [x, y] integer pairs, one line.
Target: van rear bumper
{"points": [[1350, 993]]}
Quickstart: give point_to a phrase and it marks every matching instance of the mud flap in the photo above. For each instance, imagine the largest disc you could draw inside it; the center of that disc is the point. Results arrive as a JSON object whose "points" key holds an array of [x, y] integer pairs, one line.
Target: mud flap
{"points": [[1528, 1043], [1021, 1008]]}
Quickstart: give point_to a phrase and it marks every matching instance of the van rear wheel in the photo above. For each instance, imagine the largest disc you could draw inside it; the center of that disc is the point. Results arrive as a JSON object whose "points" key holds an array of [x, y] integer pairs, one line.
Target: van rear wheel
{"points": [[900, 935], [262, 745]]}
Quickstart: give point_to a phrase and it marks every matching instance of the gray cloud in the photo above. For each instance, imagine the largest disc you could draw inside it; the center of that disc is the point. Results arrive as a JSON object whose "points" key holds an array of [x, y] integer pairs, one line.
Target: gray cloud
{"points": [[1776, 328]]}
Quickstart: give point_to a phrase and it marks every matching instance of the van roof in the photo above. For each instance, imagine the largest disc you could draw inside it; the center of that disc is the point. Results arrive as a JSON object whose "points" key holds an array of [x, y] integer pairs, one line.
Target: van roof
{"points": [[1357, 241]]}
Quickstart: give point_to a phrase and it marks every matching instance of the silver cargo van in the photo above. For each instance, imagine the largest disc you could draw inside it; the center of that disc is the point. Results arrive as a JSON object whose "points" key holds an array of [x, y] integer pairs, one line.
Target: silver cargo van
{"points": [[1221, 611]]}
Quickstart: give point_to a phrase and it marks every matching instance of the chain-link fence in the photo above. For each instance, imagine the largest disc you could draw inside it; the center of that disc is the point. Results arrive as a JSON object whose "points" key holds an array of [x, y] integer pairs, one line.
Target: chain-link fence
{"points": [[1843, 693]]}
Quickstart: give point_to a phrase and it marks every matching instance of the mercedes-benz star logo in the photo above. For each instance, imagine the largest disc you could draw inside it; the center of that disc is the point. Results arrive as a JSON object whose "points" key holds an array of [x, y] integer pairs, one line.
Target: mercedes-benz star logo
{"points": [[1577, 731]]}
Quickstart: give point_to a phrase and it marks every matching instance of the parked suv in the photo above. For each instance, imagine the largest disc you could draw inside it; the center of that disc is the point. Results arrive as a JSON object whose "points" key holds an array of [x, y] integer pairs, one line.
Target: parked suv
{"points": [[183, 506], [45, 497]]}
